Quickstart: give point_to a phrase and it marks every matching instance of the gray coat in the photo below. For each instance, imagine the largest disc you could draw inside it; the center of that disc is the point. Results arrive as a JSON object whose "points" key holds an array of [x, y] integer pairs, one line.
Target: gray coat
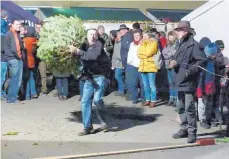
{"points": [[116, 58], [168, 53]]}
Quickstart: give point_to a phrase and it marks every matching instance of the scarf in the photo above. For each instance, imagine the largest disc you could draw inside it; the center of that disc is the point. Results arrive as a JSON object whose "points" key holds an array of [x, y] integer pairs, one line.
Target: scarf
{"points": [[137, 42], [17, 42]]}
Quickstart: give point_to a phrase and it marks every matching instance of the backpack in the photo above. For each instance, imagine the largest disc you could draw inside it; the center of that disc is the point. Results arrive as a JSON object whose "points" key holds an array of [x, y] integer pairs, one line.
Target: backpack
{"points": [[158, 60]]}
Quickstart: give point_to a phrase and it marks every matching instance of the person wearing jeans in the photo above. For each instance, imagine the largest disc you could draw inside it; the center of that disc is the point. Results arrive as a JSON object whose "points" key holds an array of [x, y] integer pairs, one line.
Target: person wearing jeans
{"points": [[148, 48], [94, 70], [133, 77], [30, 43], [62, 84], [119, 77], [14, 51], [31, 87], [95, 87], [4, 66], [62, 87], [168, 52], [133, 80], [118, 66], [16, 70], [172, 90]]}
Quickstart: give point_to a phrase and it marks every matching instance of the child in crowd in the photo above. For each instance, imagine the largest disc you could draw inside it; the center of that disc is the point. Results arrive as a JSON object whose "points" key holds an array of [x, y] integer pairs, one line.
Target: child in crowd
{"points": [[206, 88], [62, 84]]}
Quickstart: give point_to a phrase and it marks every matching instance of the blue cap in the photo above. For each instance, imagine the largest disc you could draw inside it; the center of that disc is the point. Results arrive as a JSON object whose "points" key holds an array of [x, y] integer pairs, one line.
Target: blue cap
{"points": [[210, 49]]}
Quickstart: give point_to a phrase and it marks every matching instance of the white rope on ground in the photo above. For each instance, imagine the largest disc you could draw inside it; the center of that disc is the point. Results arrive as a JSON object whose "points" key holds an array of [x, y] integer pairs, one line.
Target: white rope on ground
{"points": [[208, 71]]}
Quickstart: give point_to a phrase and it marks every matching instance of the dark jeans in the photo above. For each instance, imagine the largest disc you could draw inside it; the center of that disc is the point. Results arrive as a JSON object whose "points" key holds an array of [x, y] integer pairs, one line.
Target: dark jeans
{"points": [[187, 112], [133, 79], [62, 86]]}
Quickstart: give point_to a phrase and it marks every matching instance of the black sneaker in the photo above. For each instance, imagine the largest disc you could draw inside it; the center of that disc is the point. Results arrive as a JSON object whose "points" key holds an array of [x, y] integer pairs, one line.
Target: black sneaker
{"points": [[86, 132], [191, 138], [204, 125], [181, 134]]}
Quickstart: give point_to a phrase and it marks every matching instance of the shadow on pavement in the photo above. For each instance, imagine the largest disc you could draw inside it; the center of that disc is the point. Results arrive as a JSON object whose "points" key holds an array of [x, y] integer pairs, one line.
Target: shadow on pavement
{"points": [[119, 118]]}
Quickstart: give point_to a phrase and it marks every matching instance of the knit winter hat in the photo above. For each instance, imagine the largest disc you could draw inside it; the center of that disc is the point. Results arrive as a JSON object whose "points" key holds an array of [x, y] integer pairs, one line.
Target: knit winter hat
{"points": [[204, 42], [210, 49], [220, 44], [101, 27], [114, 33], [4, 13]]}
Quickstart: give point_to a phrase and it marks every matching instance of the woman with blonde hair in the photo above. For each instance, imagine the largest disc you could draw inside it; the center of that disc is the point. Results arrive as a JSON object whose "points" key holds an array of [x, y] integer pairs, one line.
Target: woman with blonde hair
{"points": [[148, 48], [168, 52]]}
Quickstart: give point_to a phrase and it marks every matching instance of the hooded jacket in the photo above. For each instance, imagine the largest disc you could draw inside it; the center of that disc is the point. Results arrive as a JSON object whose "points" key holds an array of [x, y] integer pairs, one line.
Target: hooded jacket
{"points": [[188, 55], [30, 44], [116, 58], [146, 52]]}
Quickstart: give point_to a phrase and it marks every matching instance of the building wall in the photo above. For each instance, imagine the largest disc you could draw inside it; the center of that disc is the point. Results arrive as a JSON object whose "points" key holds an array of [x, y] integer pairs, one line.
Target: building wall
{"points": [[211, 20], [108, 26]]}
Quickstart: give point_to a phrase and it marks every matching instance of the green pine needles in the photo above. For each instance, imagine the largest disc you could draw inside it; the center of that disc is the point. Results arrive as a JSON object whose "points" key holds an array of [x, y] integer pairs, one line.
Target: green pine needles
{"points": [[56, 35]]}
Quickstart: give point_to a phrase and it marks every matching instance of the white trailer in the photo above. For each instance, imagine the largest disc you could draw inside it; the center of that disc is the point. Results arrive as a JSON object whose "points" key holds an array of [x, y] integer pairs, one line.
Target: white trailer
{"points": [[211, 20]]}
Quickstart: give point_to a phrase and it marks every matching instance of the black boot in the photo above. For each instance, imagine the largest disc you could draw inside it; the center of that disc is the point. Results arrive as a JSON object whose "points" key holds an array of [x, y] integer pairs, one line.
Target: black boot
{"points": [[181, 134], [191, 138]]}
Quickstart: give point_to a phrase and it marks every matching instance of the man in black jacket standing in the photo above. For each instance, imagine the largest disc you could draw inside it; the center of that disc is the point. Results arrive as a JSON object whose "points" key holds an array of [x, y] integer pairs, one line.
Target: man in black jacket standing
{"points": [[14, 48], [185, 62], [95, 62]]}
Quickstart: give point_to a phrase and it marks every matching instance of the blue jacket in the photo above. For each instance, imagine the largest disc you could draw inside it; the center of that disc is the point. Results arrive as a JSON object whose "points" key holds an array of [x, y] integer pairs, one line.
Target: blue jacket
{"points": [[126, 40]]}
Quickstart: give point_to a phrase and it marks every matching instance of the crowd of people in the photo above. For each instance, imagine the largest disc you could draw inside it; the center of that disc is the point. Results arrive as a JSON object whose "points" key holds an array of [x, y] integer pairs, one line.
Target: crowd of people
{"points": [[134, 58]]}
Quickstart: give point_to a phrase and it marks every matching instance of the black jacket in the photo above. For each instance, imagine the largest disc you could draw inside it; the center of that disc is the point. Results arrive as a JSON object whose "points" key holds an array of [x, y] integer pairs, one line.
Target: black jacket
{"points": [[10, 46], [94, 60], [188, 55], [219, 63]]}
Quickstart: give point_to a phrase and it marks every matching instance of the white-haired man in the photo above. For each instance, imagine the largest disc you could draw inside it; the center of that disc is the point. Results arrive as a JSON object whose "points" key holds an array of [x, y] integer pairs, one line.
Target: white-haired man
{"points": [[94, 67]]}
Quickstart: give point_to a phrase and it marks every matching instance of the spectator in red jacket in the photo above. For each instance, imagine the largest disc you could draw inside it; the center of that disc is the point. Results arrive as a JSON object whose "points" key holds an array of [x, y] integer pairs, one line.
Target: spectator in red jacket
{"points": [[162, 39]]}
